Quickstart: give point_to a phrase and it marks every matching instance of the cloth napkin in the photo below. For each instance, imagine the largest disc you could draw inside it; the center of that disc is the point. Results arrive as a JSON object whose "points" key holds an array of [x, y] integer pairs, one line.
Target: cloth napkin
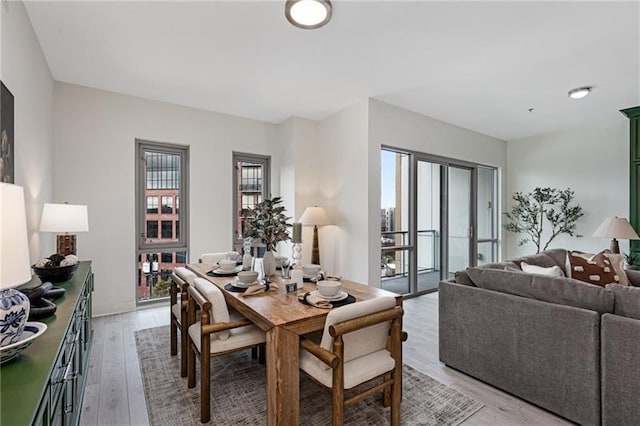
{"points": [[315, 301], [259, 288]]}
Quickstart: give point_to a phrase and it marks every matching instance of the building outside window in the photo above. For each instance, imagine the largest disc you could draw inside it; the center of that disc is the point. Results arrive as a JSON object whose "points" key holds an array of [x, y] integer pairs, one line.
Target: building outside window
{"points": [[251, 185], [162, 177], [167, 207], [152, 229], [152, 205], [167, 229]]}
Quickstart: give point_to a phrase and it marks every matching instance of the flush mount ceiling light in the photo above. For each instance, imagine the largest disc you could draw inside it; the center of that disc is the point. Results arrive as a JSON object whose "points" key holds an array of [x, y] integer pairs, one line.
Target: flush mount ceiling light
{"points": [[308, 14], [580, 92]]}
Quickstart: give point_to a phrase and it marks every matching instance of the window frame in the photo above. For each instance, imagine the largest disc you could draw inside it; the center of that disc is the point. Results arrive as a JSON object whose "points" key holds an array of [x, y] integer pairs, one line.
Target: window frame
{"points": [[241, 157], [182, 243]]}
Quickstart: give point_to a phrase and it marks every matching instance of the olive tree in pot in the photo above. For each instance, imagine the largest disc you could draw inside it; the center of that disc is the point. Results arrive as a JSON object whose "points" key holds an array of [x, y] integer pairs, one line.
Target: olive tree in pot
{"points": [[531, 210], [267, 223]]}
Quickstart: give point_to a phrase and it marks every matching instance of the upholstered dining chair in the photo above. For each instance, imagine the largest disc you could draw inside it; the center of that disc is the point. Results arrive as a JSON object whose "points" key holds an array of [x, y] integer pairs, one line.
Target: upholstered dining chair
{"points": [[212, 258], [360, 342], [181, 279], [217, 333]]}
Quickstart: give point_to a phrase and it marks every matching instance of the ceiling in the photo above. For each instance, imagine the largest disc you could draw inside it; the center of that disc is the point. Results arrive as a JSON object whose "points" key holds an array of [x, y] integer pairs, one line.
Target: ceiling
{"points": [[479, 65]]}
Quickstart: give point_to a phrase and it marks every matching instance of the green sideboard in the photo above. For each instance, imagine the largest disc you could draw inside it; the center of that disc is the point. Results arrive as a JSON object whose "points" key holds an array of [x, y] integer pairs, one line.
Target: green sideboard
{"points": [[45, 384], [634, 168]]}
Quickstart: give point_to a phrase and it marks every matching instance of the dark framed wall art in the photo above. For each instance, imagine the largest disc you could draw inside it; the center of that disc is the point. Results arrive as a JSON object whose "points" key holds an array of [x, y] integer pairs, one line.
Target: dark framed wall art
{"points": [[7, 151]]}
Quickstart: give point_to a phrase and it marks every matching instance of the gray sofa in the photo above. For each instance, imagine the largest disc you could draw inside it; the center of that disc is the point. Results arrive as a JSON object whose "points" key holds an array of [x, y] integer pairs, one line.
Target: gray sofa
{"points": [[569, 347]]}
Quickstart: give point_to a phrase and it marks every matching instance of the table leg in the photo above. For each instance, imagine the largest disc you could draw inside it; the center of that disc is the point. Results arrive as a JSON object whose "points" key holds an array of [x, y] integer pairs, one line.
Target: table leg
{"points": [[283, 377]]}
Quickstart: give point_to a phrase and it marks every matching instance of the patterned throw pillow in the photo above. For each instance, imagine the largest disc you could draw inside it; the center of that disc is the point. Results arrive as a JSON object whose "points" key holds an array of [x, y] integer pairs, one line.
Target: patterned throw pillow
{"points": [[593, 269]]}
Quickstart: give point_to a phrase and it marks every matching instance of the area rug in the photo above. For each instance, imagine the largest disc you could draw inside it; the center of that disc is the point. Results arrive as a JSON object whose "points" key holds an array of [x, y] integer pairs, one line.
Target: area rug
{"points": [[238, 393]]}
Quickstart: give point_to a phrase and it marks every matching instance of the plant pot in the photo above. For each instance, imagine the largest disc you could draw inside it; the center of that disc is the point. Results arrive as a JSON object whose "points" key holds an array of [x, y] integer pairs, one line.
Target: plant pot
{"points": [[269, 263]]}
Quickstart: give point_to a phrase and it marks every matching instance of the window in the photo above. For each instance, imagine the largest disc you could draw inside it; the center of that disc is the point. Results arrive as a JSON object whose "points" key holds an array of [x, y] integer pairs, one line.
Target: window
{"points": [[152, 205], [152, 229], [167, 202], [162, 176], [251, 174], [167, 229]]}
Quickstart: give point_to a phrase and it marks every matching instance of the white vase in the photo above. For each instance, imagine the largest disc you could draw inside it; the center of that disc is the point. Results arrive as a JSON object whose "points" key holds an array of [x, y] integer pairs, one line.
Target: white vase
{"points": [[14, 311], [269, 263]]}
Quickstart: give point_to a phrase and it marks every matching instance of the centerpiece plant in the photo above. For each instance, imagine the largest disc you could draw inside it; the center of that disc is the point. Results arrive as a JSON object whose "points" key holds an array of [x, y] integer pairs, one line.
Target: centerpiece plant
{"points": [[268, 223]]}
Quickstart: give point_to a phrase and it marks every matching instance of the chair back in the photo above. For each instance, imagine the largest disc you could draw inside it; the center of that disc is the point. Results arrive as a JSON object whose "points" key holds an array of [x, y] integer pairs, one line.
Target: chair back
{"points": [[212, 258], [185, 274], [219, 311], [364, 341]]}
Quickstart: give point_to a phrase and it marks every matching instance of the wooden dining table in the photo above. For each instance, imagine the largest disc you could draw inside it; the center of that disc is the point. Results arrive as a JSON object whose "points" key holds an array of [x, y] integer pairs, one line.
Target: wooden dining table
{"points": [[284, 319]]}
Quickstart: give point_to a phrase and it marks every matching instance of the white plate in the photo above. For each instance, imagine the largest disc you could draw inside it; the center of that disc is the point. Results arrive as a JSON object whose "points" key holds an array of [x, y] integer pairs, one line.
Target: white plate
{"points": [[32, 330], [240, 284], [222, 272], [338, 297]]}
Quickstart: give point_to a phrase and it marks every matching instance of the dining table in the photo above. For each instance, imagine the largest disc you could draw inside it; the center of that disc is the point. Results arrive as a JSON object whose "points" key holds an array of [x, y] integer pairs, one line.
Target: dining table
{"points": [[284, 319]]}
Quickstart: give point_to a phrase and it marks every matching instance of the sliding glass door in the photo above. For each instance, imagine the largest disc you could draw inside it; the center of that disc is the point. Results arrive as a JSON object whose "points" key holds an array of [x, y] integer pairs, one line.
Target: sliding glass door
{"points": [[429, 210]]}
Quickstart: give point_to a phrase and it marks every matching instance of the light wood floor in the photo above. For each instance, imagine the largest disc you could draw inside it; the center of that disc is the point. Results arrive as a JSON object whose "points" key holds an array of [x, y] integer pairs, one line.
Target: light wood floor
{"points": [[114, 394]]}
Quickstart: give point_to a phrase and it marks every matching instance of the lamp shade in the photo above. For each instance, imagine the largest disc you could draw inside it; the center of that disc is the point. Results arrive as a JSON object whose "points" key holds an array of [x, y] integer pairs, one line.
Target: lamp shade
{"points": [[315, 216], [616, 227], [64, 218], [15, 267]]}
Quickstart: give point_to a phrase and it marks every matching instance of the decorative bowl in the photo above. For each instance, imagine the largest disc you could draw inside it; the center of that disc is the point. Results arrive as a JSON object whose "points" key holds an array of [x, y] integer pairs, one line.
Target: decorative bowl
{"points": [[55, 274], [32, 330], [247, 277]]}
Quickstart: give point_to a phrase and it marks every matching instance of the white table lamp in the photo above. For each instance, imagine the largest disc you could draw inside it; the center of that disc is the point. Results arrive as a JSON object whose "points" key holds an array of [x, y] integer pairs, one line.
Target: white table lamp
{"points": [[66, 218], [15, 268], [616, 227], [316, 216]]}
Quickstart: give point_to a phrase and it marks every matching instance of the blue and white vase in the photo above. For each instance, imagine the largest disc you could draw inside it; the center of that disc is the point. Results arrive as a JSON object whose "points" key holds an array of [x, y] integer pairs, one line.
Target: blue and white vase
{"points": [[14, 311]]}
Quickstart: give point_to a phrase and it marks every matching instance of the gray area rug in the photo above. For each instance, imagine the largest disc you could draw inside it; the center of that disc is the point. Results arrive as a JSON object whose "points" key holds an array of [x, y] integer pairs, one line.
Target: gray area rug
{"points": [[238, 393]]}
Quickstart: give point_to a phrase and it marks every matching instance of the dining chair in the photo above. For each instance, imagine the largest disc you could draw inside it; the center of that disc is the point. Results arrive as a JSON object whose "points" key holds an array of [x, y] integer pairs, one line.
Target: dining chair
{"points": [[360, 342], [212, 258], [181, 279], [217, 333]]}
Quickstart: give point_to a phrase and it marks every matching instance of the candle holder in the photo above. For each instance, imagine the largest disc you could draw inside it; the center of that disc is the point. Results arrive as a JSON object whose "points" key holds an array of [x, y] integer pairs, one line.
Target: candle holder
{"points": [[296, 253]]}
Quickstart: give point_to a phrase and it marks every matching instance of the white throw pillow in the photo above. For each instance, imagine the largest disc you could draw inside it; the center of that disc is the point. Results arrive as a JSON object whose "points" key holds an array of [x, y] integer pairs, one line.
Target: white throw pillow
{"points": [[553, 271], [617, 262]]}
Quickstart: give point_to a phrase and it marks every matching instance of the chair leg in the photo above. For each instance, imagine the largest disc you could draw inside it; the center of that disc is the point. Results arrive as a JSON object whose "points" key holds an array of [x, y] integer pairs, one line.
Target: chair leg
{"points": [[205, 385], [254, 352], [174, 336], [191, 366], [396, 397], [184, 343], [262, 353], [387, 391], [337, 406]]}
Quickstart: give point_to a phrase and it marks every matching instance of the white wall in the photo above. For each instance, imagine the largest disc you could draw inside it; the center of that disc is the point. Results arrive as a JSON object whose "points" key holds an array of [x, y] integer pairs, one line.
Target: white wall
{"points": [[339, 171], [592, 161], [26, 74], [95, 137], [399, 128]]}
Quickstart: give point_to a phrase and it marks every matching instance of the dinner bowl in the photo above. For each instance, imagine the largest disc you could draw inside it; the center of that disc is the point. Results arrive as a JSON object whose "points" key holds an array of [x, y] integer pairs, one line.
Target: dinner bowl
{"points": [[227, 265], [247, 277], [329, 288]]}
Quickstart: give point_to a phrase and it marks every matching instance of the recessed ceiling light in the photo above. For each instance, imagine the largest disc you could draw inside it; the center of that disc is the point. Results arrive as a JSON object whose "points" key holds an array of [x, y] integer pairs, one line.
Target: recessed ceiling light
{"points": [[580, 92], [308, 14]]}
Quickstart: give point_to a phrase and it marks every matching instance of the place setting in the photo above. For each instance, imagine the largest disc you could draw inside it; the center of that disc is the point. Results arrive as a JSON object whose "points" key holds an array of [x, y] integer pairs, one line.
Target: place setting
{"points": [[327, 295], [226, 268]]}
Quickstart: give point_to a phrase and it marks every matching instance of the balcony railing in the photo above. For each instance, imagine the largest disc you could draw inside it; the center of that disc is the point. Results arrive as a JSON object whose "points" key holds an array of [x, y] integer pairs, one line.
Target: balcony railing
{"points": [[393, 254]]}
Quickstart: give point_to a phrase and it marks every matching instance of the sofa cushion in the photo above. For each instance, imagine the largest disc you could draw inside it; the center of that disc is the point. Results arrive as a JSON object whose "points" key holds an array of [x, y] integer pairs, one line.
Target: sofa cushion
{"points": [[593, 269], [554, 271], [627, 300], [461, 277], [558, 290], [542, 259]]}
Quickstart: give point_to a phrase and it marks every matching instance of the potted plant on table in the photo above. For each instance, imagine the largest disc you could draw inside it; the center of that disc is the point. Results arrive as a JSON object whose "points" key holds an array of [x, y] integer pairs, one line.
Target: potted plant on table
{"points": [[267, 223]]}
